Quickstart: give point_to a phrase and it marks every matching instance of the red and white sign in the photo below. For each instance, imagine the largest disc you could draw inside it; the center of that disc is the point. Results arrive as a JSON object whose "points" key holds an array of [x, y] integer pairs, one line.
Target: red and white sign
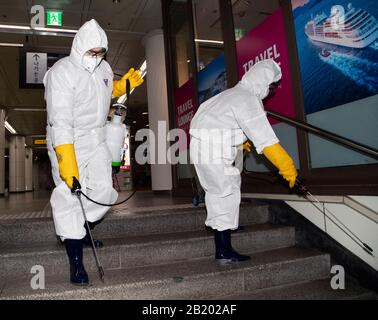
{"points": [[268, 40], [185, 110]]}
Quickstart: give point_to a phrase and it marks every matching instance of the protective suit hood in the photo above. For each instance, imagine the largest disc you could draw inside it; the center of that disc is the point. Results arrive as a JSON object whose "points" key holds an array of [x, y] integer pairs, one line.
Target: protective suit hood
{"points": [[260, 76], [89, 36]]}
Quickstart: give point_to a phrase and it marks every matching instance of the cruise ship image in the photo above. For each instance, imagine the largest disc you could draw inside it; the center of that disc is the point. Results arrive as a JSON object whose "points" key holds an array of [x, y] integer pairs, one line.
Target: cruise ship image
{"points": [[355, 28]]}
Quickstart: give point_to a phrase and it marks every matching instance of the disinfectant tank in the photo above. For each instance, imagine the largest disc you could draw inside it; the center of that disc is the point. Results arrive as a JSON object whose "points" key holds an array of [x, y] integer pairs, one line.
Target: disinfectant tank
{"points": [[115, 139]]}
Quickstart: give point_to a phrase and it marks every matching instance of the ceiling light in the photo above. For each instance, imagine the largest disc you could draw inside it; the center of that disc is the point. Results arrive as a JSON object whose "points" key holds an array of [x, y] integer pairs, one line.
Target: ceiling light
{"points": [[56, 30], [9, 128], [145, 113], [9, 26], [147, 125], [208, 41], [134, 122], [3, 44]]}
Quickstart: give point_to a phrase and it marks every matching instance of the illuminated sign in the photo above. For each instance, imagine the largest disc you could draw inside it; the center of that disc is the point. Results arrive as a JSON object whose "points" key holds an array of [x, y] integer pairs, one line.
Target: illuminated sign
{"points": [[40, 142], [54, 18]]}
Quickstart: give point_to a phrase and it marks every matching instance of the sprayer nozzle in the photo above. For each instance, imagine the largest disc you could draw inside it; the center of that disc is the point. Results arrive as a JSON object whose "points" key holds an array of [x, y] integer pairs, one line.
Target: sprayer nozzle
{"points": [[75, 185]]}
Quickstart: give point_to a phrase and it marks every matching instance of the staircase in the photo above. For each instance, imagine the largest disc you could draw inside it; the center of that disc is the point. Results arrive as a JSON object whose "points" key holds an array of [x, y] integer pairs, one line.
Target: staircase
{"points": [[168, 254]]}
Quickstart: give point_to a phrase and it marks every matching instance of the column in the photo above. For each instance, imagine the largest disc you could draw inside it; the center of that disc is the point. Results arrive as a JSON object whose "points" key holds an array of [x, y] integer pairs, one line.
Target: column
{"points": [[161, 174], [28, 169], [2, 151], [36, 175], [17, 164]]}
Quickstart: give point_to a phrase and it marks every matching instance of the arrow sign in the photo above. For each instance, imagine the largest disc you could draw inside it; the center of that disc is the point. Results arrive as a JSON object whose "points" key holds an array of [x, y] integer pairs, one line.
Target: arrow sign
{"points": [[34, 75]]}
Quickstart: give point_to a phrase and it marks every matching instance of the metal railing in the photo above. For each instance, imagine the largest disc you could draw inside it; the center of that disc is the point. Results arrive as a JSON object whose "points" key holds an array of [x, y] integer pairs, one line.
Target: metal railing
{"points": [[327, 135]]}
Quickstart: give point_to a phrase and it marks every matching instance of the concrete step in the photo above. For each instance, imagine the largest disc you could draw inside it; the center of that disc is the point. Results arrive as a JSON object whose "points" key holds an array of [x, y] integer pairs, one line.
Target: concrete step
{"points": [[129, 222], [309, 290], [191, 279], [133, 251]]}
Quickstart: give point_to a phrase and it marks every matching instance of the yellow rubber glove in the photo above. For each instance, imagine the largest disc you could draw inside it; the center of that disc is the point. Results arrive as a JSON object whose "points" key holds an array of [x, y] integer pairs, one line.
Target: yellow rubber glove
{"points": [[247, 146], [119, 86], [283, 162], [67, 163]]}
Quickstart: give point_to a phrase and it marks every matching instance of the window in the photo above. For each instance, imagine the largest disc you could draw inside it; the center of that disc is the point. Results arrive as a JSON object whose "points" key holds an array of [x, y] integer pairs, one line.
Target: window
{"points": [[181, 41]]}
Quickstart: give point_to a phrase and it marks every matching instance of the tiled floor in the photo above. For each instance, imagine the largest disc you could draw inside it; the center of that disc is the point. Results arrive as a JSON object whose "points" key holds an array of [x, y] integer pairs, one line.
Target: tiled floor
{"points": [[34, 205], [17, 203]]}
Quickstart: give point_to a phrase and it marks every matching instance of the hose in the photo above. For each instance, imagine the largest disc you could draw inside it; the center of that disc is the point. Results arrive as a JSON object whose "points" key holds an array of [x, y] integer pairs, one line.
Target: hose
{"points": [[104, 204], [76, 189]]}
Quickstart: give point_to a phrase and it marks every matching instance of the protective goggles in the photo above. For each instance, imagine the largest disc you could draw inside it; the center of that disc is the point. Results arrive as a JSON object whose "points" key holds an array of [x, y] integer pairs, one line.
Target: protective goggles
{"points": [[94, 53]]}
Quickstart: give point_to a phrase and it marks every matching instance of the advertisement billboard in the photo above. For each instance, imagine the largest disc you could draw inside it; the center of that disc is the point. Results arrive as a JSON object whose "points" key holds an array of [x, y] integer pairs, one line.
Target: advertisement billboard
{"points": [[185, 108], [338, 51], [212, 79], [268, 40]]}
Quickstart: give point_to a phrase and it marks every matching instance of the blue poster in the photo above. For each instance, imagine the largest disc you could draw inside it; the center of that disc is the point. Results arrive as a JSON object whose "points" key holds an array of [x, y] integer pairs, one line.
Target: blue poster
{"points": [[212, 79], [337, 43]]}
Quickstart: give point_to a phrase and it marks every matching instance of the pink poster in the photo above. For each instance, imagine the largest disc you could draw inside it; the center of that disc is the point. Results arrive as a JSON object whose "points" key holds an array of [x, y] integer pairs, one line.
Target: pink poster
{"points": [[268, 40], [185, 109]]}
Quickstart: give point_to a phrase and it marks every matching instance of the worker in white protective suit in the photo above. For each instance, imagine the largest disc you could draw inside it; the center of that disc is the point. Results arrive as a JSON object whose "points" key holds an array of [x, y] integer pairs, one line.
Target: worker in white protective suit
{"points": [[220, 126], [78, 92]]}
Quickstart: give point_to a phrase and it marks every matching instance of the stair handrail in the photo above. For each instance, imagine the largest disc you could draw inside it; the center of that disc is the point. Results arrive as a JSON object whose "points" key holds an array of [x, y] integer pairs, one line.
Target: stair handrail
{"points": [[326, 134]]}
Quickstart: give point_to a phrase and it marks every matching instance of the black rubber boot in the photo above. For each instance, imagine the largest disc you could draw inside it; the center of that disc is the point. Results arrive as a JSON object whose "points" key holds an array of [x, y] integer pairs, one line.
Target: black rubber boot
{"points": [[87, 239], [224, 253], [74, 250]]}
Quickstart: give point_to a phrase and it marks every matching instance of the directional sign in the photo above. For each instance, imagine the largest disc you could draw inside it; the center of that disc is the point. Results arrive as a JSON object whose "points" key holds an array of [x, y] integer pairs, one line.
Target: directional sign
{"points": [[34, 63], [36, 67]]}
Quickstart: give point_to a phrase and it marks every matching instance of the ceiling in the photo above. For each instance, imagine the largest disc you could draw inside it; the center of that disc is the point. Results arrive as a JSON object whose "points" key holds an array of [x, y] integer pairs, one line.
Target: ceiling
{"points": [[125, 23], [247, 14]]}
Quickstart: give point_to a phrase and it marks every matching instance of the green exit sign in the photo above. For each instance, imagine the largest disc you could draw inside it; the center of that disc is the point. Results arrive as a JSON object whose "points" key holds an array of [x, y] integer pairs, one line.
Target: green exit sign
{"points": [[54, 18]]}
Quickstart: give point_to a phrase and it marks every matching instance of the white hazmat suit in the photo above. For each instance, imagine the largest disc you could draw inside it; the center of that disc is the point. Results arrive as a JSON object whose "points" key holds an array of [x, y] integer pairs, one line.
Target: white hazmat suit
{"points": [[78, 94], [220, 125]]}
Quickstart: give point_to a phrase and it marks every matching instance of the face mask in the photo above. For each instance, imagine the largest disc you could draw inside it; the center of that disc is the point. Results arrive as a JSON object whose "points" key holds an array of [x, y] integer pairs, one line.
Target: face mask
{"points": [[90, 63]]}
